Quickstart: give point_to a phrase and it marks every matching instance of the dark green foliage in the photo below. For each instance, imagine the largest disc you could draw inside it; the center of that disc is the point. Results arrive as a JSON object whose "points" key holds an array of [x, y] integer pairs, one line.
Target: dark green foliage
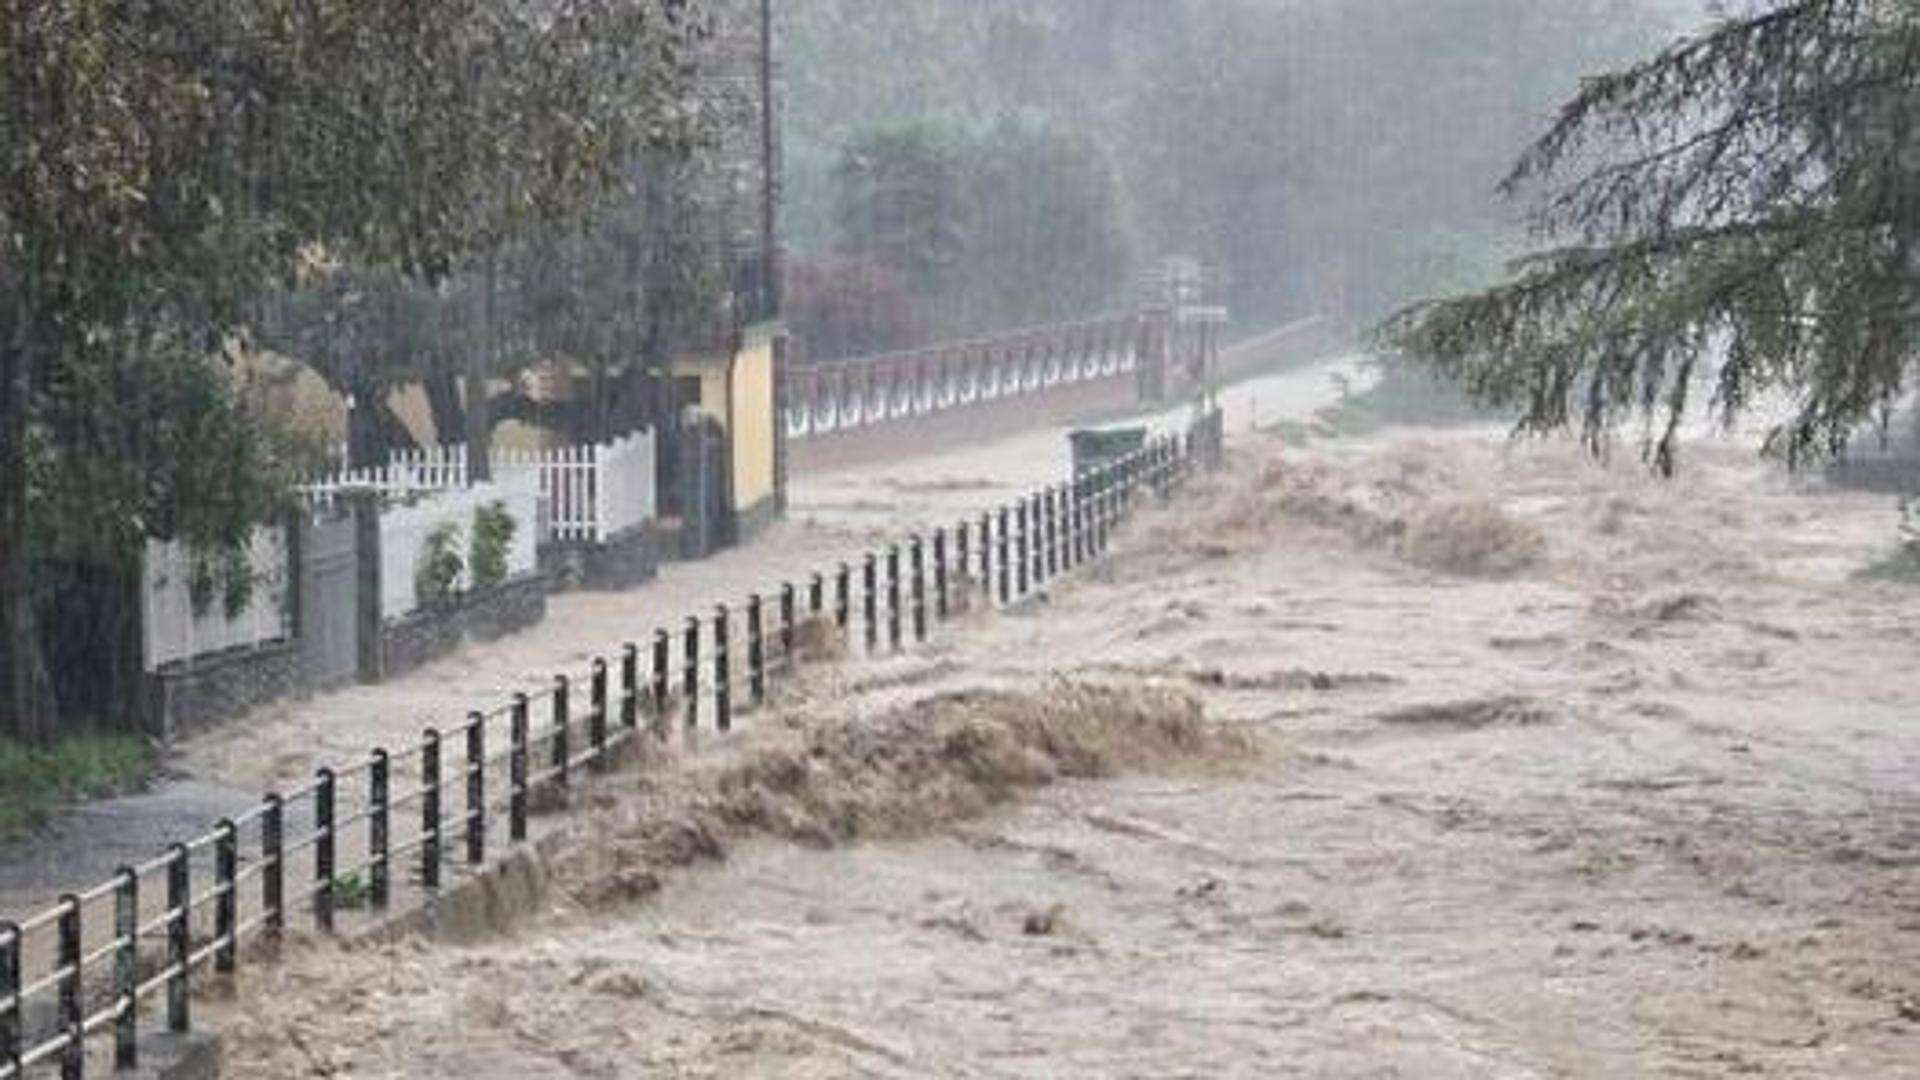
{"points": [[1304, 151], [838, 307], [1739, 216], [990, 226], [1403, 395], [164, 162], [1050, 241], [439, 566], [903, 202], [493, 529], [35, 781], [223, 570], [350, 891]]}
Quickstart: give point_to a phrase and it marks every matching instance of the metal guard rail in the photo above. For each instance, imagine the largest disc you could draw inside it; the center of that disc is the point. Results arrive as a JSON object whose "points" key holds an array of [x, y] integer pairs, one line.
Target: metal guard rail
{"points": [[843, 395], [442, 801]]}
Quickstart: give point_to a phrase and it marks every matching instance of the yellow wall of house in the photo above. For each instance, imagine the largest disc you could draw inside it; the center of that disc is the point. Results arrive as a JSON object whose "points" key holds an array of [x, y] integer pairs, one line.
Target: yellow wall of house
{"points": [[754, 419], [750, 428]]}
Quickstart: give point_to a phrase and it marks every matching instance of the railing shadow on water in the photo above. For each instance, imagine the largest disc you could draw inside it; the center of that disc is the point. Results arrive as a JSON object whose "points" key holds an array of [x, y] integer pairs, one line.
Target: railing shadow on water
{"points": [[80, 980]]}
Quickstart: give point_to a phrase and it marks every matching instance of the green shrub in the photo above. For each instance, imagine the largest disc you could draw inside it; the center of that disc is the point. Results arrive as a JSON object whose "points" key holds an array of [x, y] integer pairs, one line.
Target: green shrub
{"points": [[439, 566], [1402, 395], [227, 569], [35, 781], [350, 891], [493, 529]]}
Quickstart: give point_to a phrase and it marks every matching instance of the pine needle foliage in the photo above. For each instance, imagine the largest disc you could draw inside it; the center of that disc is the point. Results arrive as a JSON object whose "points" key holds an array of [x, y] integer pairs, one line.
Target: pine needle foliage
{"points": [[1733, 218]]}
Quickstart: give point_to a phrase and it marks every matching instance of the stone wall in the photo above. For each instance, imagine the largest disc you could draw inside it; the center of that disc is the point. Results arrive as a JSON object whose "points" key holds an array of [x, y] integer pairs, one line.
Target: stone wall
{"points": [[624, 562], [756, 519], [189, 694], [483, 615]]}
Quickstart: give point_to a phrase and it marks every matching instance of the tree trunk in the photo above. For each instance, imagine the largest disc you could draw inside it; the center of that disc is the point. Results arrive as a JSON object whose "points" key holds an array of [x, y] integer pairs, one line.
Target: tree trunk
{"points": [[26, 700], [480, 363], [442, 386], [366, 444], [599, 418]]}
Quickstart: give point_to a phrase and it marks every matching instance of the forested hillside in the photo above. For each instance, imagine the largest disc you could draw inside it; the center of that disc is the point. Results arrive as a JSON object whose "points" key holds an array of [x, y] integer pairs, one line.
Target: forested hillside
{"points": [[965, 166]]}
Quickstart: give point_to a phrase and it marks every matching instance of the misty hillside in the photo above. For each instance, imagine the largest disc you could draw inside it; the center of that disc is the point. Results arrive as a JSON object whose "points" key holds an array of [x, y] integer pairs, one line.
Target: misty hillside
{"points": [[946, 161]]}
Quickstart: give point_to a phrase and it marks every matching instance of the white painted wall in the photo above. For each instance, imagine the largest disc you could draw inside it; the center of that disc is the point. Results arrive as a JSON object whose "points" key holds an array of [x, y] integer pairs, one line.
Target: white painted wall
{"points": [[170, 630], [404, 531]]}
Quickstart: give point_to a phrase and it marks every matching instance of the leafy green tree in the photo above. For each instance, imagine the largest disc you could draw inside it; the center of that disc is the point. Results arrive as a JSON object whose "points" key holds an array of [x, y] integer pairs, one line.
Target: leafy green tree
{"points": [[848, 307], [624, 287], [1307, 152], [1740, 215], [162, 161], [903, 202], [1049, 240], [990, 225]]}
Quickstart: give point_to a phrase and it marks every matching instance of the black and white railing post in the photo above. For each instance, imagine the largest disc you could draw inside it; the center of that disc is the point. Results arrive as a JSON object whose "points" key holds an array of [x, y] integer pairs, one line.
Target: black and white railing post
{"points": [[630, 687], [842, 596], [323, 849], [379, 811], [940, 575], [787, 616], [430, 809], [72, 958], [756, 652], [961, 563], [893, 597], [690, 671], [917, 577], [722, 670], [562, 748], [273, 868], [517, 723], [870, 603], [662, 645], [477, 787], [12, 993], [126, 972], [597, 711], [226, 896], [1053, 499], [179, 938], [1021, 549], [986, 556], [1006, 558]]}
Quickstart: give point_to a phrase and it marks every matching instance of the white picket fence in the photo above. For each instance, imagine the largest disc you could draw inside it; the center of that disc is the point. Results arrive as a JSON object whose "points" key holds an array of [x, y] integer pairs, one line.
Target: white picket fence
{"points": [[589, 493], [404, 531], [407, 472], [171, 630]]}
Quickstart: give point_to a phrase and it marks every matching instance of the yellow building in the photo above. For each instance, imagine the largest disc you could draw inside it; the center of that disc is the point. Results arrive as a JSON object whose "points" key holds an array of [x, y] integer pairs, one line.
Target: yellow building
{"points": [[738, 390]]}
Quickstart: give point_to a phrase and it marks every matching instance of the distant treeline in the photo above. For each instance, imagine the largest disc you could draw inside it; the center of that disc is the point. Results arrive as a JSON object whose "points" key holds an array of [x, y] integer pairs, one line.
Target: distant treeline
{"points": [[955, 167]]}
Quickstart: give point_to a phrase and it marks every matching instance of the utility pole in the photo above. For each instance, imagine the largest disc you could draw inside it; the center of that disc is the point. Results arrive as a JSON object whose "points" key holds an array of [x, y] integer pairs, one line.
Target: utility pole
{"points": [[769, 191]]}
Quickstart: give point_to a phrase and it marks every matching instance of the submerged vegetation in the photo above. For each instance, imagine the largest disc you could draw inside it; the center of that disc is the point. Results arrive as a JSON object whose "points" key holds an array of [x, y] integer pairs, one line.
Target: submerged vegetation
{"points": [[1902, 564]]}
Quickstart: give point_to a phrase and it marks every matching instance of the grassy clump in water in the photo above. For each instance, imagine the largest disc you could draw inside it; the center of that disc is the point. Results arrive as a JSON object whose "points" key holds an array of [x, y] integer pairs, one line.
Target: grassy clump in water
{"points": [[1902, 565], [35, 781], [1402, 396]]}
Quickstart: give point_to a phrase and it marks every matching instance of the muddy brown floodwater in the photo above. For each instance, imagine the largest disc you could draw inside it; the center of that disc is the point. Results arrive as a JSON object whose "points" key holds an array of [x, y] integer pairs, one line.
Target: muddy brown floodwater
{"points": [[1551, 769]]}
